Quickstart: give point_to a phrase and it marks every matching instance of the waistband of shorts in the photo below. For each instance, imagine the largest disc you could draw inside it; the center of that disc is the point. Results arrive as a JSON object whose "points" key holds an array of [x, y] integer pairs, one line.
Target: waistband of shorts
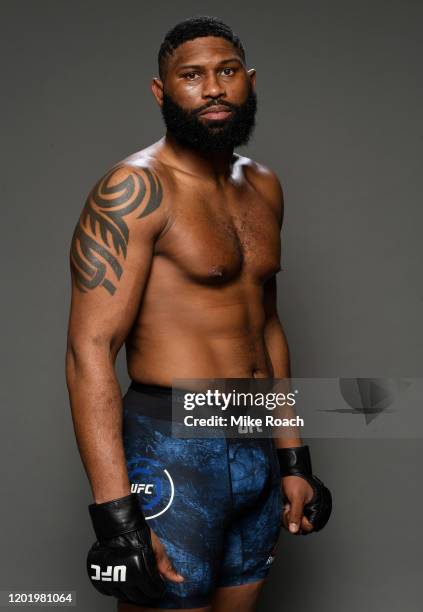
{"points": [[152, 401], [150, 389]]}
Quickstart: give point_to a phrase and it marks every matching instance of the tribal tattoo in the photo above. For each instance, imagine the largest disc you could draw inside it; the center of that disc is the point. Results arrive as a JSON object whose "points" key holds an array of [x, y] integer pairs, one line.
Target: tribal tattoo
{"points": [[94, 257]]}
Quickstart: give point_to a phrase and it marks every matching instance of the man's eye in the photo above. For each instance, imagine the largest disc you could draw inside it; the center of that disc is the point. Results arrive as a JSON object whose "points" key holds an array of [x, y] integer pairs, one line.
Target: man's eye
{"points": [[228, 71], [190, 76]]}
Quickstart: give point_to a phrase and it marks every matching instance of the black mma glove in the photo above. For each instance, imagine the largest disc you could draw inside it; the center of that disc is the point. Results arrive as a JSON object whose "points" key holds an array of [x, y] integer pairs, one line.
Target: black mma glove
{"points": [[296, 461], [122, 562]]}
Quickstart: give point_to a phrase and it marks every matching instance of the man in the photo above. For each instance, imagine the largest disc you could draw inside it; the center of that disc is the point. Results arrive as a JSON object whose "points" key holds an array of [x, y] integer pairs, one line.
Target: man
{"points": [[175, 255]]}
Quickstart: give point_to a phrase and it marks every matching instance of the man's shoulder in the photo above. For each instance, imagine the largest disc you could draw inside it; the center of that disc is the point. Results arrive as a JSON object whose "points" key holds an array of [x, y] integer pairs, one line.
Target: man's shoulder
{"points": [[263, 179], [145, 161], [142, 172], [258, 173], [129, 190]]}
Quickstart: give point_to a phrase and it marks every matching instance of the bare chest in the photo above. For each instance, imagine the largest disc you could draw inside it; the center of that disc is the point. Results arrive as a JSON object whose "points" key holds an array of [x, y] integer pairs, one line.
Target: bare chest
{"points": [[217, 237]]}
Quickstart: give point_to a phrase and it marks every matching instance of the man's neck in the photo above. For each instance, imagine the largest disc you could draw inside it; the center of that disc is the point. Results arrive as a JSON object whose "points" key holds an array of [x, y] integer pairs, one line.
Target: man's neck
{"points": [[212, 166]]}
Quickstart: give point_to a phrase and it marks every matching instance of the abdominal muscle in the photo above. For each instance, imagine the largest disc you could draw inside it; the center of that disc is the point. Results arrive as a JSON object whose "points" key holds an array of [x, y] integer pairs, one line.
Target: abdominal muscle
{"points": [[208, 332]]}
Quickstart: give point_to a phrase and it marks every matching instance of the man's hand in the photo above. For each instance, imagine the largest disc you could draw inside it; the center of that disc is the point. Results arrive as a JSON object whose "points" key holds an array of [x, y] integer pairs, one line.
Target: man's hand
{"points": [[307, 501], [123, 562], [164, 564], [297, 492]]}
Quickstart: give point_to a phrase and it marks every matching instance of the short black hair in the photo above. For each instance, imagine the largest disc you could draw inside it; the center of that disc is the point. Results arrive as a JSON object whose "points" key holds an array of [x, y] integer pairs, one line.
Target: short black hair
{"points": [[196, 27]]}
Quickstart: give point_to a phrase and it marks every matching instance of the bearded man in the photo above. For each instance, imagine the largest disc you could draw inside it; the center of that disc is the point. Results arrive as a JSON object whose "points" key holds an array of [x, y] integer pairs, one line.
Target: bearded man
{"points": [[175, 255]]}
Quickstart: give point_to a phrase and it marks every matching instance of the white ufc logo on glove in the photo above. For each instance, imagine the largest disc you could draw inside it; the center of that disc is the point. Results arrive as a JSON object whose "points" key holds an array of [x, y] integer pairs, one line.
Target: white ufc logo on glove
{"points": [[112, 573]]}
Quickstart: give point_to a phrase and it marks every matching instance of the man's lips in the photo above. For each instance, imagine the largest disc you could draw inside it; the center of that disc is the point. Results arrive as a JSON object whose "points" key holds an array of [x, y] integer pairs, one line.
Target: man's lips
{"points": [[216, 112]]}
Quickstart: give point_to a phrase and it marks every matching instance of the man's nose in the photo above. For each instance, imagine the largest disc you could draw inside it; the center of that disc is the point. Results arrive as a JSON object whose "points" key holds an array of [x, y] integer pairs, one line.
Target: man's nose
{"points": [[213, 87]]}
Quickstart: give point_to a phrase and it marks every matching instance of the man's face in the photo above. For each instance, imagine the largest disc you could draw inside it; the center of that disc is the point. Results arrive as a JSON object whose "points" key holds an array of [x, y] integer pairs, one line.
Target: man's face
{"points": [[208, 100]]}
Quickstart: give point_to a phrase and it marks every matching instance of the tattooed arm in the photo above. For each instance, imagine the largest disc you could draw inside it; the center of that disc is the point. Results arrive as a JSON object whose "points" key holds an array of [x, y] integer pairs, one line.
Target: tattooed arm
{"points": [[111, 255]]}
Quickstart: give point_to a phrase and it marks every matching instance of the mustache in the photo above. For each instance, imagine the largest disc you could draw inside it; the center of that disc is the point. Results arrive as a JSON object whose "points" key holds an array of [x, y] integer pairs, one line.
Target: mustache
{"points": [[214, 103]]}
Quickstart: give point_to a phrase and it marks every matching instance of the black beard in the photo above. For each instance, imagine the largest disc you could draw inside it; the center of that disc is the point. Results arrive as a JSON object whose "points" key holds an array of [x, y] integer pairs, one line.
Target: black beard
{"points": [[221, 135]]}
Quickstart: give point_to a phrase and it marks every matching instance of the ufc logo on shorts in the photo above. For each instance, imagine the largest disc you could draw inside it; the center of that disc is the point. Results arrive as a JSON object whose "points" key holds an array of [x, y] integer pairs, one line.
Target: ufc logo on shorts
{"points": [[138, 487], [116, 573], [246, 429]]}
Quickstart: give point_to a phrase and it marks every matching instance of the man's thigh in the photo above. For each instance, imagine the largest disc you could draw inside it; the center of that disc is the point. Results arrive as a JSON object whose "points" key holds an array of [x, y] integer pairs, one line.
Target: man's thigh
{"points": [[125, 607], [242, 598]]}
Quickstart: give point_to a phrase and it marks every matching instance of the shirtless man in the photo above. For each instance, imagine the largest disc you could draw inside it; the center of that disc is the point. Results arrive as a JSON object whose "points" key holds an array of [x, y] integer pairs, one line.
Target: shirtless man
{"points": [[175, 255]]}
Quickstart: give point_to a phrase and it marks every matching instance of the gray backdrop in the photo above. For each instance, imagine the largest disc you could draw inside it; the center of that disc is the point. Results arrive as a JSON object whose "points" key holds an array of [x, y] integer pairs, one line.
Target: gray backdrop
{"points": [[340, 95]]}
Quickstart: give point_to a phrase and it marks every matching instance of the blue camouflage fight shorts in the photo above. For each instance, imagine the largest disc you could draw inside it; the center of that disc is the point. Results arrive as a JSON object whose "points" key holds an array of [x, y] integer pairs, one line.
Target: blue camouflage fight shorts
{"points": [[214, 503]]}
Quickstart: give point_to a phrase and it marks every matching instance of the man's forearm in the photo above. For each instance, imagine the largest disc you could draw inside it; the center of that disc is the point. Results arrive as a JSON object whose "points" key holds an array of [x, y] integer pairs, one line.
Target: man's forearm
{"points": [[96, 405], [277, 347]]}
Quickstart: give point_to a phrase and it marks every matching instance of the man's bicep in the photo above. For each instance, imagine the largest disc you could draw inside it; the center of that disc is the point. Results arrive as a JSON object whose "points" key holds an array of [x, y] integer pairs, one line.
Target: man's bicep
{"points": [[111, 253]]}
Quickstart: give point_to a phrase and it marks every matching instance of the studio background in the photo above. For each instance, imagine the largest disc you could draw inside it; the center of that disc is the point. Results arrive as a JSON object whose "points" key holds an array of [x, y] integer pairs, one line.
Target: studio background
{"points": [[340, 98]]}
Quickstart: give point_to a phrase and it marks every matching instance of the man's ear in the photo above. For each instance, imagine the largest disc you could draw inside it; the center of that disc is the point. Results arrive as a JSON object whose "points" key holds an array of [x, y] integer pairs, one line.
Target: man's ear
{"points": [[252, 74], [157, 89]]}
